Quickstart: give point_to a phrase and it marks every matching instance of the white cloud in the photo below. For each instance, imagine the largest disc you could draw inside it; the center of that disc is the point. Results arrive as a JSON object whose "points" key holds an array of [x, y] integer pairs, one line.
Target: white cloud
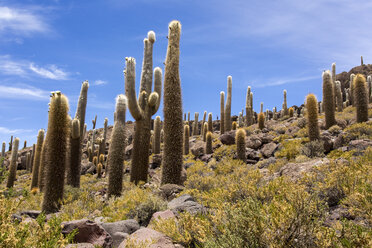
{"points": [[100, 82], [284, 81], [26, 92], [51, 72], [10, 67], [4, 130], [21, 21]]}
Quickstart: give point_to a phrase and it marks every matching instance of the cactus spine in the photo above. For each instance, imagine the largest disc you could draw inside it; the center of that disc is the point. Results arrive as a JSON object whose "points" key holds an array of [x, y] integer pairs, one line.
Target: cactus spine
{"points": [[339, 96], [157, 129], [261, 120], [328, 102], [240, 144], [312, 117], [41, 177], [361, 98], [208, 143], [37, 158], [186, 135], [13, 164], [222, 102], [55, 159], [142, 108], [117, 149], [228, 105], [173, 126], [285, 108]]}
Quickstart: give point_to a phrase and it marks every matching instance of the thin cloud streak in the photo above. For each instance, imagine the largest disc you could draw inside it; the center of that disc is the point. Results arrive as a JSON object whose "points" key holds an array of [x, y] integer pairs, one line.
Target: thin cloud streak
{"points": [[283, 81], [100, 82], [50, 72], [5, 130], [27, 93]]}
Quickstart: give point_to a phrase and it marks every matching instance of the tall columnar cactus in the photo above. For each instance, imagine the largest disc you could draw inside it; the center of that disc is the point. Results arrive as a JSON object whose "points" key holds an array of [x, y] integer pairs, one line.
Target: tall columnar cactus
{"points": [[361, 98], [102, 148], [94, 122], [195, 130], [351, 95], [11, 143], [240, 144], [205, 130], [13, 164], [204, 118], [240, 119], [334, 84], [28, 161], [369, 84], [80, 115], [99, 170], [228, 105], [42, 166], [328, 103], [274, 113], [92, 145], [210, 123], [55, 162], [186, 135], [208, 143], [252, 111], [3, 150], [173, 126], [261, 120], [285, 108], [143, 108], [261, 107], [73, 178], [248, 108], [157, 129], [25, 144], [37, 158], [222, 112], [312, 117], [188, 117], [339, 99], [117, 149]]}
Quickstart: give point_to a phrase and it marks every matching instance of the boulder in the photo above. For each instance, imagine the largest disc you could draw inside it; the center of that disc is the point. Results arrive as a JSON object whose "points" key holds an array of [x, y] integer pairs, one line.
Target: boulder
{"points": [[124, 226], [167, 214], [268, 149], [326, 137], [359, 145], [254, 142], [252, 154], [169, 191], [88, 232], [148, 238], [30, 213], [296, 170], [185, 203], [228, 138], [198, 148], [80, 245], [118, 238]]}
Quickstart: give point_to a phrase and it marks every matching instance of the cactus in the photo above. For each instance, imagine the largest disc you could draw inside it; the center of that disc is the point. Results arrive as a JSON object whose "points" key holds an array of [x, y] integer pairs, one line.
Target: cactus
{"points": [[227, 124], [157, 129], [339, 96], [261, 120], [247, 107], [205, 131], [195, 130], [369, 84], [234, 125], [143, 108], [173, 126], [261, 107], [222, 121], [312, 117], [28, 161], [188, 117], [361, 98], [13, 164], [204, 118], [3, 150], [351, 95], [55, 159], [210, 123], [290, 112], [102, 148], [240, 119], [240, 144], [361, 60], [95, 160], [285, 108], [32, 157], [37, 158], [208, 143], [94, 121], [334, 84], [99, 170], [117, 149], [25, 144], [92, 146], [328, 103], [186, 135], [10, 143], [41, 176]]}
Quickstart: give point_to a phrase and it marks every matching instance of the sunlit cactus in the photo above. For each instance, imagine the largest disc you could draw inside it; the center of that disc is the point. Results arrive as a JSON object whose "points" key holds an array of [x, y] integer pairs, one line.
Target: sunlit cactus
{"points": [[13, 164], [208, 143], [37, 158], [240, 144], [227, 120], [361, 98], [328, 102], [312, 117]]}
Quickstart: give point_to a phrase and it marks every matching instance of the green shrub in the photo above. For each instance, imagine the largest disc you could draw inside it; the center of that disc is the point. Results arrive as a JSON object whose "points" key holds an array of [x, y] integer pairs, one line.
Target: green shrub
{"points": [[289, 149], [313, 149]]}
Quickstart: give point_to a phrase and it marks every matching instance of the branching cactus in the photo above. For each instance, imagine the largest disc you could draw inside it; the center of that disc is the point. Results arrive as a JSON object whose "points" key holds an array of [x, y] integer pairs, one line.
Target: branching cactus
{"points": [[228, 105], [143, 108], [37, 158], [73, 178], [55, 161], [222, 104], [173, 126], [117, 149], [339, 96], [328, 102], [312, 117], [157, 129], [186, 136], [240, 144], [361, 98], [208, 143], [13, 164], [285, 108]]}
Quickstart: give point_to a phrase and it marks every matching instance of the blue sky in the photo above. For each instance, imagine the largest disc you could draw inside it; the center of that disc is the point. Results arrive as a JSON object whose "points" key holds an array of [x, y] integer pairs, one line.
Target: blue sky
{"points": [[270, 45]]}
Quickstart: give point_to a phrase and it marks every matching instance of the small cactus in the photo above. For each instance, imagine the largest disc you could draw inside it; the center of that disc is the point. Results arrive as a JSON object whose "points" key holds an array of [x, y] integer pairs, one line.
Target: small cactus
{"points": [[157, 129], [312, 117], [204, 119], [234, 125], [290, 112], [13, 164], [361, 98], [101, 159], [351, 95], [37, 158], [208, 143], [99, 170], [117, 149], [205, 131], [227, 121], [328, 102], [240, 144], [285, 108], [261, 120], [222, 121], [186, 135], [210, 123]]}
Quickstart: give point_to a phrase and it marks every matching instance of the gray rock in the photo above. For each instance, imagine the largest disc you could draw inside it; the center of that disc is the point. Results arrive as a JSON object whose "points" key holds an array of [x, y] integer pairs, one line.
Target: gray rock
{"points": [[254, 142], [124, 226], [80, 245], [198, 148], [169, 191], [118, 238], [148, 238], [252, 154], [268, 149], [359, 145], [185, 203], [228, 138], [31, 213]]}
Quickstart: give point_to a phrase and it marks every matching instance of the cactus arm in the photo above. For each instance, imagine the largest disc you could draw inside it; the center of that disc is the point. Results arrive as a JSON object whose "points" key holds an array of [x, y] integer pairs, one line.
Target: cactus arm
{"points": [[146, 74], [157, 87], [130, 92]]}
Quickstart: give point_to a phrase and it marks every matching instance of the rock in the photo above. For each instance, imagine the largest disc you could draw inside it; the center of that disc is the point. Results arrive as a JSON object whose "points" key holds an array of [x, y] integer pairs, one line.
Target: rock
{"points": [[326, 137], [266, 138], [295, 170], [80, 245], [291, 130], [265, 163], [252, 154], [198, 148], [167, 214], [339, 141], [31, 213], [128, 151], [91, 169], [123, 226], [206, 157], [336, 214], [359, 145], [268, 149], [254, 142], [88, 232], [22, 164], [148, 238], [118, 238], [169, 191], [156, 161], [185, 203], [228, 138]]}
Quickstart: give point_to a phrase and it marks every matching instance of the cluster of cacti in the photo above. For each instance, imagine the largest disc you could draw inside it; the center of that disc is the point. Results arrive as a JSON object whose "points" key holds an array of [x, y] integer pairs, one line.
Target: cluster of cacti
{"points": [[55, 158], [143, 108], [157, 130], [117, 149], [173, 126], [361, 98], [312, 117], [328, 102], [285, 108], [37, 158], [208, 143], [240, 144], [227, 112], [13, 164]]}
